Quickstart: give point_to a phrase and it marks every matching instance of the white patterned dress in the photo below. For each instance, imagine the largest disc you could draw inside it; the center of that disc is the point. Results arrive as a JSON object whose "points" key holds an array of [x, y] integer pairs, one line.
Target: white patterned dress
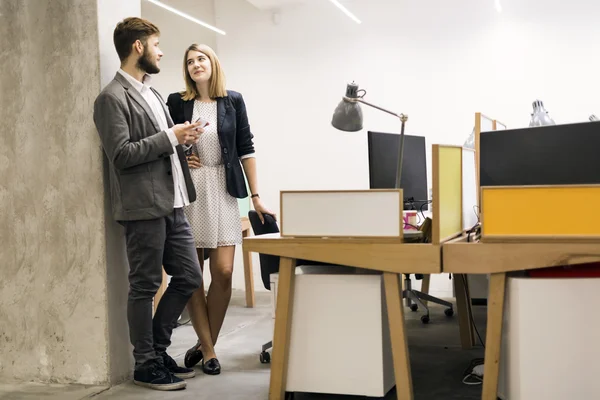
{"points": [[215, 215]]}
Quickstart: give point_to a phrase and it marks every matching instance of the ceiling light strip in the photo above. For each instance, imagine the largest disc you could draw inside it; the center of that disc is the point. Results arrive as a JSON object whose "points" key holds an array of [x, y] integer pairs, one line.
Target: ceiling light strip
{"points": [[186, 16], [345, 11]]}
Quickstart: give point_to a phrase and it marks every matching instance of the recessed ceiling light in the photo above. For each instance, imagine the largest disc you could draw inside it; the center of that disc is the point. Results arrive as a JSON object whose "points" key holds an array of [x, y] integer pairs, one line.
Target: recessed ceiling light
{"points": [[345, 11], [498, 6], [186, 16]]}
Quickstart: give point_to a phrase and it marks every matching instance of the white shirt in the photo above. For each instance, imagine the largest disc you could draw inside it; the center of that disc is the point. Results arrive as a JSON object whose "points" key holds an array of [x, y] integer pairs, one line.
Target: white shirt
{"points": [[181, 193]]}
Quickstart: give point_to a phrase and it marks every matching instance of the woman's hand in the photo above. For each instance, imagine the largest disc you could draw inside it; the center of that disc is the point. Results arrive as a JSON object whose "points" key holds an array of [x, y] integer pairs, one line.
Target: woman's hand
{"points": [[260, 209], [193, 161]]}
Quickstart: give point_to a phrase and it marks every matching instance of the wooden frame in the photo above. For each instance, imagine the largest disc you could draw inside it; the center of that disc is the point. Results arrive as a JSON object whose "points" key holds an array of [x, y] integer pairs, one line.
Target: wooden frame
{"points": [[398, 238], [392, 259]]}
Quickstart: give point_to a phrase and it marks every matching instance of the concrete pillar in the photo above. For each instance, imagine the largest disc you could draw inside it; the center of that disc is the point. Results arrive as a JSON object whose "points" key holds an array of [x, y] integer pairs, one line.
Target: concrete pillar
{"points": [[63, 270]]}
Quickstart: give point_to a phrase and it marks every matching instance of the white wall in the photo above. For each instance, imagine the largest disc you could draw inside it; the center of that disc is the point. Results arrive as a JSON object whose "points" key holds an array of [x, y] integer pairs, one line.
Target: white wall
{"points": [[176, 34], [437, 61], [110, 13]]}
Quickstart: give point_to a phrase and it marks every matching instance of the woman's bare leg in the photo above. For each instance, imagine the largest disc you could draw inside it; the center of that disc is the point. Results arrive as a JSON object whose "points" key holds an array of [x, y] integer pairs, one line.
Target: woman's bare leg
{"points": [[219, 292], [198, 311]]}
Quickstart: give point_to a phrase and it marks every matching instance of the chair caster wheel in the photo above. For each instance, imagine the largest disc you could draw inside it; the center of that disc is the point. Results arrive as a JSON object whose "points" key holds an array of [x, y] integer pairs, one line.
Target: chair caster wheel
{"points": [[425, 319], [449, 312], [414, 307], [265, 357]]}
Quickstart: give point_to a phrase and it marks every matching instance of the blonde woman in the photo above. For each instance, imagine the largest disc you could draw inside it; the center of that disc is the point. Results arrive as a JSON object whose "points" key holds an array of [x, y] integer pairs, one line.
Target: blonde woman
{"points": [[216, 163]]}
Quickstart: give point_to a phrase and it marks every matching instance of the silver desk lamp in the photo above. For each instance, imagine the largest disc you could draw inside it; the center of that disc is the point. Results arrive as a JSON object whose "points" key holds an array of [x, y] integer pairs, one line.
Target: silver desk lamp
{"points": [[348, 117]]}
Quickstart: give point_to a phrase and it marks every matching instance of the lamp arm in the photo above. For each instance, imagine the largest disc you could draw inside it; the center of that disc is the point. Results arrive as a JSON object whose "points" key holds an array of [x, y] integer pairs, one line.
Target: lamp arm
{"points": [[403, 119], [379, 108]]}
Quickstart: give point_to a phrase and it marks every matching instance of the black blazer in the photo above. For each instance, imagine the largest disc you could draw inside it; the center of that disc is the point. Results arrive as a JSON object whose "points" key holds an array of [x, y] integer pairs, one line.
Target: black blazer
{"points": [[233, 131]]}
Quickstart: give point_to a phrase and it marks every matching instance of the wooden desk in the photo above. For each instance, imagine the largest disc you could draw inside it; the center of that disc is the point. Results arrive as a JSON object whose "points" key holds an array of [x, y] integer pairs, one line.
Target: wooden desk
{"points": [[390, 257], [248, 271], [497, 259]]}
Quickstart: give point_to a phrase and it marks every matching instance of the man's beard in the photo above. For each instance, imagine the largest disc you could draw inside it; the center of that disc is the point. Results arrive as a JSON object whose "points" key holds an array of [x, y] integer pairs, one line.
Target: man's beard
{"points": [[145, 64]]}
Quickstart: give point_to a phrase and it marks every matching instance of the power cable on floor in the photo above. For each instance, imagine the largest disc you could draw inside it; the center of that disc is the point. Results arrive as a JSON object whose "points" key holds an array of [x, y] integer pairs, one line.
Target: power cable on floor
{"points": [[473, 375]]}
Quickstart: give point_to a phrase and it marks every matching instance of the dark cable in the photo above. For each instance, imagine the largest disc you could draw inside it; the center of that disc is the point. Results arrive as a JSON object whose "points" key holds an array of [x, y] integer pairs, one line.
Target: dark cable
{"points": [[423, 205], [467, 292]]}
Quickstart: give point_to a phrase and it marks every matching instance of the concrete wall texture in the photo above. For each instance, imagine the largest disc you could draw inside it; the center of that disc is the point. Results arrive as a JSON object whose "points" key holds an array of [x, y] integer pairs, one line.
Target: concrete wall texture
{"points": [[59, 320]]}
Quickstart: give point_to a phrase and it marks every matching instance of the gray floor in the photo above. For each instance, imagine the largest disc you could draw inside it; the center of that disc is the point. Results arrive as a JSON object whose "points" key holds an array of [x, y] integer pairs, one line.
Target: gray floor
{"points": [[437, 362]]}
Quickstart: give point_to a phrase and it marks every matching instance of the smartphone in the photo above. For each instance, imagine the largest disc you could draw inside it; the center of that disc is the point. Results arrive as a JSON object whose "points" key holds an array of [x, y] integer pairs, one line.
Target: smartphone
{"points": [[203, 122]]}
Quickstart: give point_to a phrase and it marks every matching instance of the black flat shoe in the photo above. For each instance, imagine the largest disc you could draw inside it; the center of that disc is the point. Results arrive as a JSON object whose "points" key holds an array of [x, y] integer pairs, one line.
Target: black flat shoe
{"points": [[211, 367], [193, 356]]}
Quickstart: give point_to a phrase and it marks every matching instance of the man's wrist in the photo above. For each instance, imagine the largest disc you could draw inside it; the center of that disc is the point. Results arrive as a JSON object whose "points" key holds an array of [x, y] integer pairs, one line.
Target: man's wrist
{"points": [[172, 137]]}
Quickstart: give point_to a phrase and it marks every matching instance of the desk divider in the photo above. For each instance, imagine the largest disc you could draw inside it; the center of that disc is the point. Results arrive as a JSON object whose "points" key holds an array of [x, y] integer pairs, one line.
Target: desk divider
{"points": [[499, 126], [536, 213], [447, 197], [482, 124], [470, 198], [371, 214]]}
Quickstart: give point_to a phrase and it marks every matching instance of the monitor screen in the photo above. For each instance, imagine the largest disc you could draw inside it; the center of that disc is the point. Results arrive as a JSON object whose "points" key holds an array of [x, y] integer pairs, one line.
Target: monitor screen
{"points": [[383, 162]]}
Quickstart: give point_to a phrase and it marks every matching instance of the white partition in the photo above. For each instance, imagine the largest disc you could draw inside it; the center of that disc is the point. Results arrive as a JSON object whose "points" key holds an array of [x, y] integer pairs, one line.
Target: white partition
{"points": [[342, 213], [326, 333], [550, 346], [487, 124], [469, 189]]}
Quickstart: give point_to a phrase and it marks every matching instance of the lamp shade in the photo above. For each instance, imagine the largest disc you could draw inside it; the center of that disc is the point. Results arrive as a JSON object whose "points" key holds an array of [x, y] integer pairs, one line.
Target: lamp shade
{"points": [[347, 117], [348, 114]]}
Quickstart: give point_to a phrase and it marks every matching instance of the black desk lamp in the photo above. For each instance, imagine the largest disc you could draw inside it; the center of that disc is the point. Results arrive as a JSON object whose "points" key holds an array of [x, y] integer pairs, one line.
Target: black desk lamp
{"points": [[348, 117]]}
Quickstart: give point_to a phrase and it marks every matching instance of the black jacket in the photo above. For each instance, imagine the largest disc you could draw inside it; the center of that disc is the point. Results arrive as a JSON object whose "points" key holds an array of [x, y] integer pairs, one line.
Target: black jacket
{"points": [[233, 131]]}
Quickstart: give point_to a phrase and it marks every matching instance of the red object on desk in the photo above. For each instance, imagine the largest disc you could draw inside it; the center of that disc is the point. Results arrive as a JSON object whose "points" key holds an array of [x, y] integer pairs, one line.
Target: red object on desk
{"points": [[589, 270]]}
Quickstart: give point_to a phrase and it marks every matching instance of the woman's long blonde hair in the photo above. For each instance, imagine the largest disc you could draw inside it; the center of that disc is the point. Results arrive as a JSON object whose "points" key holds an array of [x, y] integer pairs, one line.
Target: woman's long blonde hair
{"points": [[216, 86]]}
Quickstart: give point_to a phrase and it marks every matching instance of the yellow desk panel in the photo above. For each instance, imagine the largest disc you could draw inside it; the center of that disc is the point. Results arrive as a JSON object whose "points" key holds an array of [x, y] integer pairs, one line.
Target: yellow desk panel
{"points": [[449, 206], [540, 211]]}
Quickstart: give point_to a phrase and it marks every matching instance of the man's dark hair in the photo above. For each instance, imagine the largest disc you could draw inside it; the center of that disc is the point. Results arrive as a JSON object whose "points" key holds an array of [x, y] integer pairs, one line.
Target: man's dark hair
{"points": [[128, 31]]}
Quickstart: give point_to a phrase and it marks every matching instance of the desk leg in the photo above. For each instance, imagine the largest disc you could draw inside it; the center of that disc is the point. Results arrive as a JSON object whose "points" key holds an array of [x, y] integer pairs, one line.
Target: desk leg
{"points": [[248, 274], [493, 338], [395, 311], [283, 325]]}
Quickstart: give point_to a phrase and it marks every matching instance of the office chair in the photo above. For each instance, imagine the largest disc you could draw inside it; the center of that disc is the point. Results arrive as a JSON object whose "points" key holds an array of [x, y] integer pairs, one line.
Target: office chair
{"points": [[268, 264], [414, 297]]}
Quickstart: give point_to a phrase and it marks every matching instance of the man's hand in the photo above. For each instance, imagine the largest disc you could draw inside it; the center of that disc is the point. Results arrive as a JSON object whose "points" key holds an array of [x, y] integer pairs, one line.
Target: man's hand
{"points": [[187, 133], [193, 161]]}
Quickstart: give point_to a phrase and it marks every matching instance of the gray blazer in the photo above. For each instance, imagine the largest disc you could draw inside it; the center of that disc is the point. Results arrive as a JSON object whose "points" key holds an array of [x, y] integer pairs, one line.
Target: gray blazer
{"points": [[141, 181]]}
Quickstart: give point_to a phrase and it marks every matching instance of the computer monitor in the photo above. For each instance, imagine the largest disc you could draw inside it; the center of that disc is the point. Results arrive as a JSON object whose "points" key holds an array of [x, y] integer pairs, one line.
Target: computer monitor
{"points": [[383, 163]]}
